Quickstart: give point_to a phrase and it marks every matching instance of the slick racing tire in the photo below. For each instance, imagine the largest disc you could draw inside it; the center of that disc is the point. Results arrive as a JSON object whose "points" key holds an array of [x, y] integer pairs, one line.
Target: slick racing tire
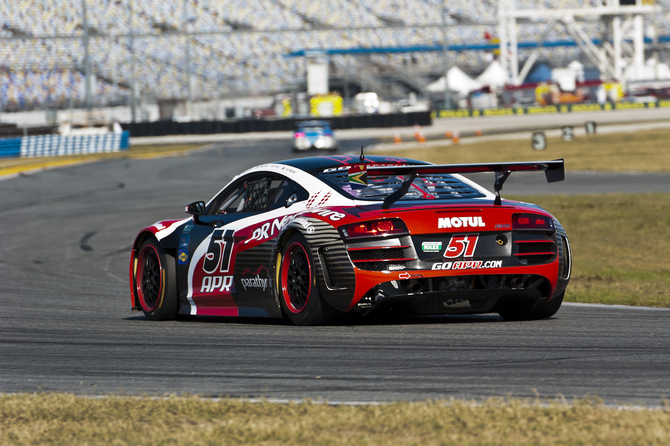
{"points": [[155, 282], [542, 311], [299, 292]]}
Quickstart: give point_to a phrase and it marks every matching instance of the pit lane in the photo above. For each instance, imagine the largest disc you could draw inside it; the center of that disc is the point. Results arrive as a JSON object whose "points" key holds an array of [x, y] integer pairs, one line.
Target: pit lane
{"points": [[66, 323]]}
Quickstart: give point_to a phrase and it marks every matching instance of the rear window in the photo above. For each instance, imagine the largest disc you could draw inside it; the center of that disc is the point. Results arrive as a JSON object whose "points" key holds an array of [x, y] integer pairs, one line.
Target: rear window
{"points": [[424, 187]]}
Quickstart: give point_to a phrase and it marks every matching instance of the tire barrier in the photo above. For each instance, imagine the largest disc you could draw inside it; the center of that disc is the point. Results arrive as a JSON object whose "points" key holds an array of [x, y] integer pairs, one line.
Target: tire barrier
{"points": [[57, 145], [162, 128]]}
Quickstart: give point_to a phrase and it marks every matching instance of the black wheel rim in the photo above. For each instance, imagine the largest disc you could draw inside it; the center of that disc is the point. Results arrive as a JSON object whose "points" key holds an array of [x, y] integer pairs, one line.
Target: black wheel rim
{"points": [[297, 276], [149, 277]]}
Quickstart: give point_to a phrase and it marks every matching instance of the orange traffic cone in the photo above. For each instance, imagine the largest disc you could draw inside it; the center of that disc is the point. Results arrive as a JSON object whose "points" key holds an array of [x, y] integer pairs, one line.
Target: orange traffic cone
{"points": [[455, 139], [397, 139], [447, 134], [422, 137], [478, 132]]}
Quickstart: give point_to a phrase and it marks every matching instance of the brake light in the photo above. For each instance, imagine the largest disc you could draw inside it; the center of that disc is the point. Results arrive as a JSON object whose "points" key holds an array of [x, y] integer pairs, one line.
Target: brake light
{"points": [[299, 135], [375, 228], [532, 221]]}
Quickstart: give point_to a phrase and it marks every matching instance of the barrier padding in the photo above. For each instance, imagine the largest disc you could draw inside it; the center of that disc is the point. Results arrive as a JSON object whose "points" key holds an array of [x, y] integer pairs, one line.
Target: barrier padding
{"points": [[58, 145], [10, 147], [161, 128]]}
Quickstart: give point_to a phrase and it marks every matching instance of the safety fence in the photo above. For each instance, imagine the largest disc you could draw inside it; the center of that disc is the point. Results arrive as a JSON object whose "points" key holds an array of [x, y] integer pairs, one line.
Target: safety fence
{"points": [[58, 145], [161, 128], [563, 108]]}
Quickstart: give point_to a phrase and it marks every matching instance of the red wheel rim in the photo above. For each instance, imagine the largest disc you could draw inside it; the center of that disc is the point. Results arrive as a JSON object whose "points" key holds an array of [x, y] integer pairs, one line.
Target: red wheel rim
{"points": [[149, 278], [296, 278]]}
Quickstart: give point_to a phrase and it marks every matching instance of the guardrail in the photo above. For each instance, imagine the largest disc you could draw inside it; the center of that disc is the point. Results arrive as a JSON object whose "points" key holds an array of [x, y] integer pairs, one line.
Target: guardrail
{"points": [[565, 108], [58, 145]]}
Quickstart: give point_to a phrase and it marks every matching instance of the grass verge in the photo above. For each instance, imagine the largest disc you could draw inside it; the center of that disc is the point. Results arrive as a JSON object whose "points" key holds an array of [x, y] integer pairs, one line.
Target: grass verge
{"points": [[645, 151], [69, 420], [15, 165], [619, 243]]}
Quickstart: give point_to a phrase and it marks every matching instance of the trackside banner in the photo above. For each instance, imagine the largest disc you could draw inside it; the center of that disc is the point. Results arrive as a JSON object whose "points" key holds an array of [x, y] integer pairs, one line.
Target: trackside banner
{"points": [[565, 108]]}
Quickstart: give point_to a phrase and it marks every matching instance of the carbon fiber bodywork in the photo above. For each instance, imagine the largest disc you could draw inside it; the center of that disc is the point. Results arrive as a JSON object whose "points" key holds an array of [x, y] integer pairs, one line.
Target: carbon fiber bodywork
{"points": [[335, 272]]}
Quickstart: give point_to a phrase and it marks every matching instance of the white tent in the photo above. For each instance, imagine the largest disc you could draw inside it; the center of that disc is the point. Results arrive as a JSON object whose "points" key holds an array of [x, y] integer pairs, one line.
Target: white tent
{"points": [[652, 70], [494, 75], [458, 81], [566, 78], [578, 68]]}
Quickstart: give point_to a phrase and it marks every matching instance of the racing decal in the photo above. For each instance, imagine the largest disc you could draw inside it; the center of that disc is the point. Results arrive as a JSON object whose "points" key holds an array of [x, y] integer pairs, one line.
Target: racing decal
{"points": [[312, 199], [269, 229], [502, 226], [460, 222], [182, 257], [358, 176], [431, 246], [209, 278], [255, 279], [468, 264], [306, 224], [461, 245], [324, 199], [406, 276], [165, 228], [217, 258], [219, 284], [333, 215]]}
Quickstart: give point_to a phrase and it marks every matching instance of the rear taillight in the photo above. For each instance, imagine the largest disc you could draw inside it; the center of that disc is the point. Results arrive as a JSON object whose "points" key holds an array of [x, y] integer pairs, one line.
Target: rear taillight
{"points": [[375, 228], [299, 135], [532, 221]]}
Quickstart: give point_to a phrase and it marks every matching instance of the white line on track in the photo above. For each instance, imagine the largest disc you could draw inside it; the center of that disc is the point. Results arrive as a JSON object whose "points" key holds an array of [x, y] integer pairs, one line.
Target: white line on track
{"points": [[564, 402], [614, 307]]}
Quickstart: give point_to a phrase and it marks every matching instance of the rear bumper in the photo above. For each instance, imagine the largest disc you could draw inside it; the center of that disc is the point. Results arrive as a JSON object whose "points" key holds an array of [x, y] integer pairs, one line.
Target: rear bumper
{"points": [[459, 302]]}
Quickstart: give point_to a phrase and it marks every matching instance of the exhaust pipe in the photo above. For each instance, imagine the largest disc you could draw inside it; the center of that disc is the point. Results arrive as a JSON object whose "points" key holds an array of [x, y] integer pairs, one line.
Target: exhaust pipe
{"points": [[413, 286], [516, 282]]}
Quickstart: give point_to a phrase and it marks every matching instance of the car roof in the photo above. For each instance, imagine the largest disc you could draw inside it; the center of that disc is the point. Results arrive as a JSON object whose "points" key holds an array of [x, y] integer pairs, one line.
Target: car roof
{"points": [[317, 164]]}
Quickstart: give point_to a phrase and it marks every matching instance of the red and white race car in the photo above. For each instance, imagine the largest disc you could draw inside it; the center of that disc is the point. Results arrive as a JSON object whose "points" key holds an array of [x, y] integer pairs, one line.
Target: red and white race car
{"points": [[314, 238]]}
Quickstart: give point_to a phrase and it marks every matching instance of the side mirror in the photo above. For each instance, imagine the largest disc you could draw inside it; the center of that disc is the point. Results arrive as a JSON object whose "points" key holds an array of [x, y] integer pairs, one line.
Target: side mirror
{"points": [[196, 209]]}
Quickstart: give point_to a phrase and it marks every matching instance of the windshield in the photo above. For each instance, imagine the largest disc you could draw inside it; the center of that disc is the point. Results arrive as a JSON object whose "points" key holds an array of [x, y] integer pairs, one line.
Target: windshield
{"points": [[424, 187]]}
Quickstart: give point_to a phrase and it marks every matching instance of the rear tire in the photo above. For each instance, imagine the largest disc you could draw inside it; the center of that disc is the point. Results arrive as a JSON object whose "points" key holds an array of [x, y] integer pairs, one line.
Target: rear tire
{"points": [[298, 290], [542, 311], [155, 282]]}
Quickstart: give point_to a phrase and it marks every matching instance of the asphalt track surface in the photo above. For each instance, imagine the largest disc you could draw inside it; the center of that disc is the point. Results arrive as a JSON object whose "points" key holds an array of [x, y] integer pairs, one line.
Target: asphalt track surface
{"points": [[66, 323]]}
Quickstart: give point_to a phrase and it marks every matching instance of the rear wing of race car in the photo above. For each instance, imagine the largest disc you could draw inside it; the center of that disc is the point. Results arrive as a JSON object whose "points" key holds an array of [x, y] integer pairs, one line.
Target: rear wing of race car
{"points": [[553, 170]]}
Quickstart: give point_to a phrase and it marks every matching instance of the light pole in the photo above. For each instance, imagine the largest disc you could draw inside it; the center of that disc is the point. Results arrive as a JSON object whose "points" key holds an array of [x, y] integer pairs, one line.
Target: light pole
{"points": [[87, 59], [188, 59], [447, 93], [133, 80]]}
